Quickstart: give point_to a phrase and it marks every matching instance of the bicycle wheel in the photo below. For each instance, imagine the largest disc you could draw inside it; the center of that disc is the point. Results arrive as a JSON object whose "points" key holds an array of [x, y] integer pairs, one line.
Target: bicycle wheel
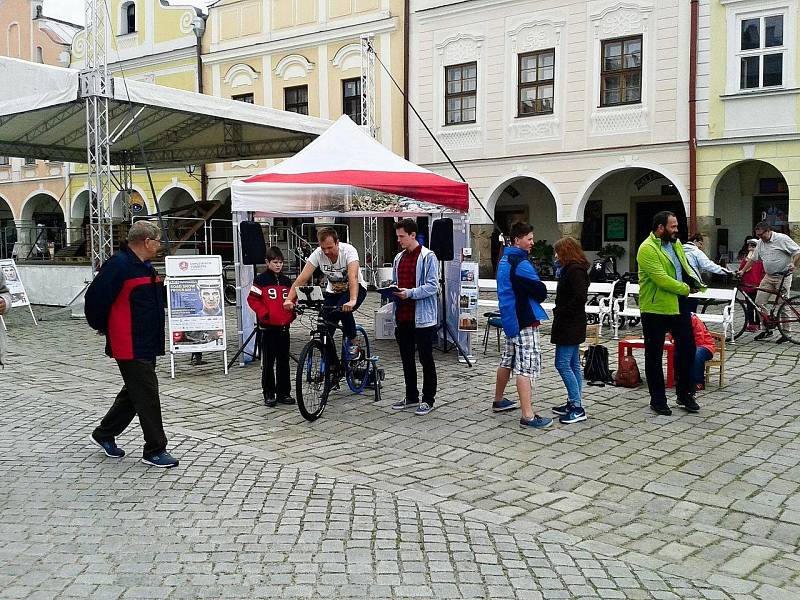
{"points": [[312, 384], [357, 371], [739, 323], [789, 319]]}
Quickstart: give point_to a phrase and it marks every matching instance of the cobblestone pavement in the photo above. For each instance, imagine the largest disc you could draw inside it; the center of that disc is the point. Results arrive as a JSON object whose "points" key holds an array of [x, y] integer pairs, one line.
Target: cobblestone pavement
{"points": [[367, 502]]}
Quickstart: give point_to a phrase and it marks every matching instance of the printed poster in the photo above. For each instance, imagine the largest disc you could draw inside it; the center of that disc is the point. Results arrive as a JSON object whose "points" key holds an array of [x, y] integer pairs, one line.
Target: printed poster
{"points": [[196, 314], [468, 298], [14, 283]]}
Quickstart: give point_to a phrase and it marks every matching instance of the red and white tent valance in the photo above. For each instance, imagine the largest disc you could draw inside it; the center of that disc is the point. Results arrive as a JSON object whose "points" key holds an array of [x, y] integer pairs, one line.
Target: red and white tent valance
{"points": [[346, 171]]}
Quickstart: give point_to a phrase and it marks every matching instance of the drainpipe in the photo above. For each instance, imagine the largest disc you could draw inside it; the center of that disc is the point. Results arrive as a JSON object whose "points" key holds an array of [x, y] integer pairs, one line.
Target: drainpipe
{"points": [[406, 75], [693, 118], [199, 27]]}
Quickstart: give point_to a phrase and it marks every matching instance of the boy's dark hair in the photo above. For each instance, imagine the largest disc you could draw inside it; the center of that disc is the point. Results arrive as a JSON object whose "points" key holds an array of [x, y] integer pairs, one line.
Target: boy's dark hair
{"points": [[407, 225], [274, 253], [661, 218], [697, 237], [325, 233], [520, 229]]}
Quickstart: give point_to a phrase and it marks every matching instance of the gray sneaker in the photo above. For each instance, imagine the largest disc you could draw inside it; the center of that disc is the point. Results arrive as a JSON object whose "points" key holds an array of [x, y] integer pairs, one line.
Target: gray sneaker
{"points": [[405, 405], [504, 405], [536, 422]]}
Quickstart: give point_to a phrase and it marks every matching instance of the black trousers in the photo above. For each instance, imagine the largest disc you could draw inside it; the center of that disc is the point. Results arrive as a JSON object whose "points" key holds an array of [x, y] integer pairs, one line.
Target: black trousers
{"points": [[412, 341], [138, 396], [275, 361], [655, 328]]}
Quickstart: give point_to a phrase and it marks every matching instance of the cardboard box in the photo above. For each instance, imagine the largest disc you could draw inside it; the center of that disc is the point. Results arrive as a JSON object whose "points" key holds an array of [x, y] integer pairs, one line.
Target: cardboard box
{"points": [[384, 322]]}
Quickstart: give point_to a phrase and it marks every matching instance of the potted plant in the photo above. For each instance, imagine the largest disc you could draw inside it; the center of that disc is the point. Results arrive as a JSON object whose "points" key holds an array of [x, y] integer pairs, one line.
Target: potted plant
{"points": [[542, 257], [612, 251]]}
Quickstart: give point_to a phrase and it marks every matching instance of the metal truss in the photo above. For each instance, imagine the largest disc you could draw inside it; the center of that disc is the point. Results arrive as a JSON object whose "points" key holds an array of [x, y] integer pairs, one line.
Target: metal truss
{"points": [[368, 122], [96, 89]]}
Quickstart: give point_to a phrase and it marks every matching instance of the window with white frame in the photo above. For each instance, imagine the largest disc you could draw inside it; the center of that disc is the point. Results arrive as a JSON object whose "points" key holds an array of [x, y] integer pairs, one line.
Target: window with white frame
{"points": [[4, 161], [762, 51], [30, 162], [461, 93], [128, 18]]}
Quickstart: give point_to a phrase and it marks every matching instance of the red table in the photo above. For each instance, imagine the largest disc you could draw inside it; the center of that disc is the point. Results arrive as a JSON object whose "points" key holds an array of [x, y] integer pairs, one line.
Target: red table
{"points": [[630, 343]]}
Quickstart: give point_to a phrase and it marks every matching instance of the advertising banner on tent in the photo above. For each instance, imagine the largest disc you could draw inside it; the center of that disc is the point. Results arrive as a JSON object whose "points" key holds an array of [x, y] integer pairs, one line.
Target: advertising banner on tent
{"points": [[195, 308]]}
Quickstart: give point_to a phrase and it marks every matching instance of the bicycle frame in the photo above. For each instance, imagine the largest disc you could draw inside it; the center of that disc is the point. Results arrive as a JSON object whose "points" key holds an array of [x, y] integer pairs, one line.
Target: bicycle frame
{"points": [[769, 318]]}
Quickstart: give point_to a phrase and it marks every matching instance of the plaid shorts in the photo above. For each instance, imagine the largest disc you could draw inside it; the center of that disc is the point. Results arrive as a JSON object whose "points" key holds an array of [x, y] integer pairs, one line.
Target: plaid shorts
{"points": [[523, 353]]}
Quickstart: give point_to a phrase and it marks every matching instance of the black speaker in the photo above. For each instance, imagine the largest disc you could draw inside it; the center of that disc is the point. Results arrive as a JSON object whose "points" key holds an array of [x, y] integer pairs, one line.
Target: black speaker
{"points": [[442, 238], [254, 248]]}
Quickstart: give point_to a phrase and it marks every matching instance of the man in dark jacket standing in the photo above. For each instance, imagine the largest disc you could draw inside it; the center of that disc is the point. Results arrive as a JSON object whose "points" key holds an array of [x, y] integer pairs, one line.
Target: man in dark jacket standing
{"points": [[125, 302], [519, 292]]}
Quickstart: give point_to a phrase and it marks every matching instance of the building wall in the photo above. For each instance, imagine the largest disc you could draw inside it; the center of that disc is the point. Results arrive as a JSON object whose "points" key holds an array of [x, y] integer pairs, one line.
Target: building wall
{"points": [[261, 47], [582, 151], [742, 129]]}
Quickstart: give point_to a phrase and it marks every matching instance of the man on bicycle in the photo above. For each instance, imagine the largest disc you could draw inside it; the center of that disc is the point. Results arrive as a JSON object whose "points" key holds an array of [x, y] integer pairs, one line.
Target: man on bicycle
{"points": [[346, 287], [779, 253]]}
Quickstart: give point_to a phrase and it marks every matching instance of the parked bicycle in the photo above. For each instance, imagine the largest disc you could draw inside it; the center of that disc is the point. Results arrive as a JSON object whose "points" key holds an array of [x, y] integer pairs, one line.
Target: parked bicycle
{"points": [[320, 369], [784, 314]]}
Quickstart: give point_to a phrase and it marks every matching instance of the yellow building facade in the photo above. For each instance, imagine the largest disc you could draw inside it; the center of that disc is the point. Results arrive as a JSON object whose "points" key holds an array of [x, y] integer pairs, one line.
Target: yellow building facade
{"points": [[748, 155]]}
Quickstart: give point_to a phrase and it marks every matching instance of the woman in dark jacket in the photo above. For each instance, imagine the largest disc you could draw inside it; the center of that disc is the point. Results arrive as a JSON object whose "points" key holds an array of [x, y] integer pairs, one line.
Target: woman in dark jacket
{"points": [[569, 325]]}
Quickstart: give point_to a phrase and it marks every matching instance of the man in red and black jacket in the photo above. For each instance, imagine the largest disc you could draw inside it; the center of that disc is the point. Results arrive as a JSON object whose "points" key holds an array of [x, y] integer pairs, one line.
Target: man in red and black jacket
{"points": [[267, 295], [125, 302]]}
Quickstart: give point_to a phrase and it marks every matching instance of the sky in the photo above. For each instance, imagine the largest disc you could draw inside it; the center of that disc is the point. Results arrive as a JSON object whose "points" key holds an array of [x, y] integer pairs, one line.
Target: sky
{"points": [[73, 10]]}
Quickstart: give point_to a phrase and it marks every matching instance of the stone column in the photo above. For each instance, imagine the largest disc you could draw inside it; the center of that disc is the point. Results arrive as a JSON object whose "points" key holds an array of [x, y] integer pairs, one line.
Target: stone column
{"points": [[481, 236], [571, 228]]}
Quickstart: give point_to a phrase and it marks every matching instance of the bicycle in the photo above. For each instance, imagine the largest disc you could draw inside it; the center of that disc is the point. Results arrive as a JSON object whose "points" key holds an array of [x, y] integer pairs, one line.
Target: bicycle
{"points": [[784, 314], [319, 368]]}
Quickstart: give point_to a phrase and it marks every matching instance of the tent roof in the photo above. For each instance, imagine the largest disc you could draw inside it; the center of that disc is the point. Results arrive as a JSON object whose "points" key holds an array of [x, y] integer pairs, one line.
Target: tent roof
{"points": [[340, 172], [43, 115]]}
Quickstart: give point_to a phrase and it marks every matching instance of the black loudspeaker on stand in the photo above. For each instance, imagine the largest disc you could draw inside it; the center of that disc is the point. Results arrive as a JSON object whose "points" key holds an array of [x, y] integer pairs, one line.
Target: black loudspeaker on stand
{"points": [[442, 245], [254, 248]]}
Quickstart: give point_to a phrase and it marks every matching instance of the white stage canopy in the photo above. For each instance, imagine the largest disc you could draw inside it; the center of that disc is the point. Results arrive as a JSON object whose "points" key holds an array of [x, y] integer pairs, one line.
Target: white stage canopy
{"points": [[42, 115], [344, 172]]}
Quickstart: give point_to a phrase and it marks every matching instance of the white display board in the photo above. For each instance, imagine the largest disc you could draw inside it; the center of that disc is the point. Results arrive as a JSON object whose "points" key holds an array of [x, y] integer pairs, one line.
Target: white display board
{"points": [[195, 306], [19, 297], [468, 298]]}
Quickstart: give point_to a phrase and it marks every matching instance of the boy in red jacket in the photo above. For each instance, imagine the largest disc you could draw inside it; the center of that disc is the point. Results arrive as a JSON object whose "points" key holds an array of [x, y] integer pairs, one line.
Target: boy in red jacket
{"points": [[704, 352], [266, 298]]}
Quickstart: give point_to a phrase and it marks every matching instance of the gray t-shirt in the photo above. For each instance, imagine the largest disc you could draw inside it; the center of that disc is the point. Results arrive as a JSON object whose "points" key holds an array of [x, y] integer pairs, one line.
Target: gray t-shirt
{"points": [[777, 253]]}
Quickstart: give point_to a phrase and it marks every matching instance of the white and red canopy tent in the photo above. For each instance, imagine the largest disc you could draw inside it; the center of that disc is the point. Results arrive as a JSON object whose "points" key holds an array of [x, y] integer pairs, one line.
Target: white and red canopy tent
{"points": [[337, 175], [345, 173]]}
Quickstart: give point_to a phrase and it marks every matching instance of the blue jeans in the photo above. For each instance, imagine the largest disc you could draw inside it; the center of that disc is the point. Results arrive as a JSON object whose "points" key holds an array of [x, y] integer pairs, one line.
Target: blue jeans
{"points": [[568, 365], [701, 355]]}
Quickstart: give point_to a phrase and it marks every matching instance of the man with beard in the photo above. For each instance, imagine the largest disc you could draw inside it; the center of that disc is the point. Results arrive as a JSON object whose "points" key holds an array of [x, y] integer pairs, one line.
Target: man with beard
{"points": [[665, 282]]}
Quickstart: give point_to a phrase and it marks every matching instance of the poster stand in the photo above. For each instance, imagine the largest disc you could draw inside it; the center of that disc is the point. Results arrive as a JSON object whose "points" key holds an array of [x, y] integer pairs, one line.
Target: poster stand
{"points": [[19, 297], [195, 309], [468, 298]]}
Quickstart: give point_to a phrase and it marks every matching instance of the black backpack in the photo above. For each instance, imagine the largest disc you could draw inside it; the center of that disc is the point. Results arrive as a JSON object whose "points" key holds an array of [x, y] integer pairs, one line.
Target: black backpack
{"points": [[603, 270], [595, 366]]}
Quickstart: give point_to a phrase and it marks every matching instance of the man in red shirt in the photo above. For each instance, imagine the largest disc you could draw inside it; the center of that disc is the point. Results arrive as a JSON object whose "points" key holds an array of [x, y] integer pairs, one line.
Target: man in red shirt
{"points": [[416, 272]]}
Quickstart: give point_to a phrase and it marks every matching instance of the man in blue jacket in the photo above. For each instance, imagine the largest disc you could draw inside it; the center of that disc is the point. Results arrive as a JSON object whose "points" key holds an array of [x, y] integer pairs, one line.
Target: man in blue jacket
{"points": [[416, 315], [125, 302], [520, 292]]}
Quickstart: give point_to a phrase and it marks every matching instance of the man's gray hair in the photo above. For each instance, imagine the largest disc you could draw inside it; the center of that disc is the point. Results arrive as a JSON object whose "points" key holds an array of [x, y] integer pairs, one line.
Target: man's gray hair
{"points": [[763, 226], [141, 230]]}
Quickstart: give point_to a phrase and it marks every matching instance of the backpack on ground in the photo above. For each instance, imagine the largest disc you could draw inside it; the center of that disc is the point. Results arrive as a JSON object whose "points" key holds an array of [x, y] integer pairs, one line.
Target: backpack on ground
{"points": [[627, 374], [595, 366]]}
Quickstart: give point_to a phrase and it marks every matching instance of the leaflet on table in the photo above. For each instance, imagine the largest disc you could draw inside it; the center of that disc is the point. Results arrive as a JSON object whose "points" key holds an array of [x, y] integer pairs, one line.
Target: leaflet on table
{"points": [[14, 283], [196, 316]]}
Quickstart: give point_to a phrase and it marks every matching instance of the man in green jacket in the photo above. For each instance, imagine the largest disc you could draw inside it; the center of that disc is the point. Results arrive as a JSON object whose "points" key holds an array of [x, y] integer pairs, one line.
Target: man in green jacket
{"points": [[665, 282]]}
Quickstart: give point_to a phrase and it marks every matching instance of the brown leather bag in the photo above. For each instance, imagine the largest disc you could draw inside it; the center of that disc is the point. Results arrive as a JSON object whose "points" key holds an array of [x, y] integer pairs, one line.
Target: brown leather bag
{"points": [[627, 374]]}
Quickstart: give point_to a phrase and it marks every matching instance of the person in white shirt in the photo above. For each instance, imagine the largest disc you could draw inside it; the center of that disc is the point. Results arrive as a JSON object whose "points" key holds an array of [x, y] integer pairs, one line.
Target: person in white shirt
{"points": [[346, 287]]}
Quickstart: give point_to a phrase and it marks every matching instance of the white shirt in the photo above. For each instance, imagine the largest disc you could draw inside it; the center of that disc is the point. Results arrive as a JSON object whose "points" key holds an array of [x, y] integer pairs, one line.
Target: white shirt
{"points": [[336, 272]]}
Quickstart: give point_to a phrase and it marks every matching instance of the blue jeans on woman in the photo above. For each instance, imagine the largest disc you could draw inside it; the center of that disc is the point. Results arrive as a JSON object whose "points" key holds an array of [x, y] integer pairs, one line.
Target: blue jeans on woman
{"points": [[701, 356], [568, 365]]}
